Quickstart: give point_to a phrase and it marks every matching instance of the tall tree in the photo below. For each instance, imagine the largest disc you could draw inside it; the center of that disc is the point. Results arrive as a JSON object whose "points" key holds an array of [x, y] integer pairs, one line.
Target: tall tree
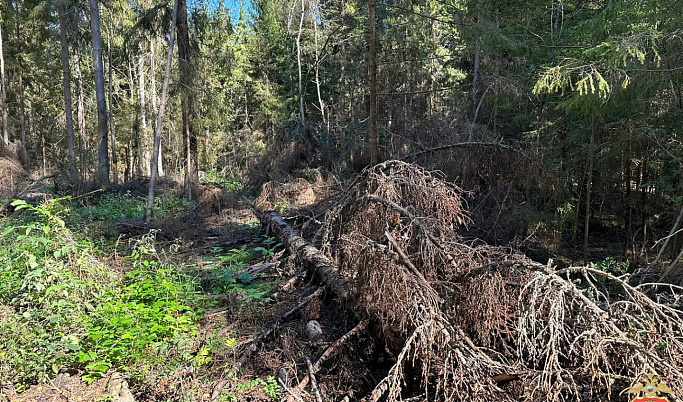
{"points": [[187, 103], [22, 89], [160, 117], [298, 63], [373, 81], [66, 73], [100, 94], [3, 83]]}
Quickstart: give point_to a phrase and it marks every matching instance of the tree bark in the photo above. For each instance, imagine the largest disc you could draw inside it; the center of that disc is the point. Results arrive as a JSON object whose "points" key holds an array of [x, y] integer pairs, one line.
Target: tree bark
{"points": [[314, 259], [373, 82], [112, 127], [298, 62], [315, 19], [80, 112], [153, 96], [186, 84], [3, 82], [102, 129], [589, 187], [22, 103], [66, 73], [143, 149], [475, 83], [160, 118]]}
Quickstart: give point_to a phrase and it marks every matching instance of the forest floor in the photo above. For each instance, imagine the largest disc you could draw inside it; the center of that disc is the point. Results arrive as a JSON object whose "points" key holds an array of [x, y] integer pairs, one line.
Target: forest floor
{"points": [[245, 281], [206, 304]]}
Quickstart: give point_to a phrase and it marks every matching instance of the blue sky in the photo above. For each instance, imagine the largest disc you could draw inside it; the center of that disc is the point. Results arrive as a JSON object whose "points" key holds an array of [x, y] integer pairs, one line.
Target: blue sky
{"points": [[233, 5]]}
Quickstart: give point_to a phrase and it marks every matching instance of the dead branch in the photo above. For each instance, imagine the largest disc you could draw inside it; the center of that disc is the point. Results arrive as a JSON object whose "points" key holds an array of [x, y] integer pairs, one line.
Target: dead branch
{"points": [[314, 383], [316, 261], [326, 355], [256, 342], [572, 334], [467, 144], [404, 257]]}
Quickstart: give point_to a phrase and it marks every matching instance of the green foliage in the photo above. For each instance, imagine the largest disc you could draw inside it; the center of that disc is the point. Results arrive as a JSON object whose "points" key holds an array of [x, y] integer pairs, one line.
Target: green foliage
{"points": [[136, 321], [270, 387], [47, 280], [113, 207], [222, 180], [59, 308], [229, 274], [611, 266]]}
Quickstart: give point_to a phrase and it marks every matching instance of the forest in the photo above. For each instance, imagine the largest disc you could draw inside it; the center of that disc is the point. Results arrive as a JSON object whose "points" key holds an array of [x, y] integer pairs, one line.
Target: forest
{"points": [[341, 200]]}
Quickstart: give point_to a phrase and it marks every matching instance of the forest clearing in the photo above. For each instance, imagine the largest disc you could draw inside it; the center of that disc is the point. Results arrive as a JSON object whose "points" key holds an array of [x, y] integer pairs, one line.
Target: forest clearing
{"points": [[343, 200]]}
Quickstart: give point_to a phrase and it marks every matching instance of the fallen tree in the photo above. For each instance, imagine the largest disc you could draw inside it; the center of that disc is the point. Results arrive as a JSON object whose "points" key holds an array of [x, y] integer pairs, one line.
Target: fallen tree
{"points": [[476, 322]]}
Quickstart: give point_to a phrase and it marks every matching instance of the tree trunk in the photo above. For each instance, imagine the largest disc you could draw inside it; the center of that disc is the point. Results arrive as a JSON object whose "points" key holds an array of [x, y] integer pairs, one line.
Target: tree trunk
{"points": [[298, 62], [315, 19], [628, 218], [315, 260], [153, 95], [66, 72], [102, 129], [112, 128], [160, 118], [3, 83], [80, 113], [145, 157], [644, 208], [186, 84], [373, 82], [475, 85], [589, 185], [22, 103]]}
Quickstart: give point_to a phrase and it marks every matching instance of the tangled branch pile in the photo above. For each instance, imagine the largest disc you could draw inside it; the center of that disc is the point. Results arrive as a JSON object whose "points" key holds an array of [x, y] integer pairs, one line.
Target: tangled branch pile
{"points": [[464, 318]]}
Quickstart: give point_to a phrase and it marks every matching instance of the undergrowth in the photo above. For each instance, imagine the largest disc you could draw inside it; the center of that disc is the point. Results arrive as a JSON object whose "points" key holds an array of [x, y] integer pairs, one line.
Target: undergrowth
{"points": [[62, 308], [116, 206]]}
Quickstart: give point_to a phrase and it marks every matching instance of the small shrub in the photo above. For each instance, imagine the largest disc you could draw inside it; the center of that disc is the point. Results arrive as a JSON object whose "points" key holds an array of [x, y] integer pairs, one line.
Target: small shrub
{"points": [[112, 207]]}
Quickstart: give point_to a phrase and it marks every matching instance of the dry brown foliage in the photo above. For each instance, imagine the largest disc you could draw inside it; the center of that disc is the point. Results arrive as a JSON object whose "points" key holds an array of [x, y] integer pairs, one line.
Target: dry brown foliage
{"points": [[11, 175], [297, 193], [460, 313]]}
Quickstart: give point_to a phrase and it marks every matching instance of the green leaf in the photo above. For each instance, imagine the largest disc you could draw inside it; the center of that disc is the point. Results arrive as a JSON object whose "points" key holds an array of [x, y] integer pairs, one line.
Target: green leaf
{"points": [[20, 204]]}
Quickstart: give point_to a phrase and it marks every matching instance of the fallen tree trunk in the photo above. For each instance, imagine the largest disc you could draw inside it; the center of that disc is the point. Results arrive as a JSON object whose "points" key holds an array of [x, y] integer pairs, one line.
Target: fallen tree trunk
{"points": [[317, 263], [462, 318]]}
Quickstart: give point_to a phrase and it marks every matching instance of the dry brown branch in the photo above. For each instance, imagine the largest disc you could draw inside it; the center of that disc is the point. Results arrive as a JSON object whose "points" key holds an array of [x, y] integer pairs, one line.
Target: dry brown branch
{"points": [[464, 316], [469, 144], [294, 394], [256, 342], [314, 383], [404, 257]]}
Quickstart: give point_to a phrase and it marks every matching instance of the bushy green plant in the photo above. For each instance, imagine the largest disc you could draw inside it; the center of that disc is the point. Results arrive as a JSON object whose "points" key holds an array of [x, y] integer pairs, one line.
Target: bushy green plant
{"points": [[130, 323], [112, 207], [230, 274], [60, 308], [270, 387], [167, 205], [46, 281], [116, 206], [219, 179], [611, 266]]}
